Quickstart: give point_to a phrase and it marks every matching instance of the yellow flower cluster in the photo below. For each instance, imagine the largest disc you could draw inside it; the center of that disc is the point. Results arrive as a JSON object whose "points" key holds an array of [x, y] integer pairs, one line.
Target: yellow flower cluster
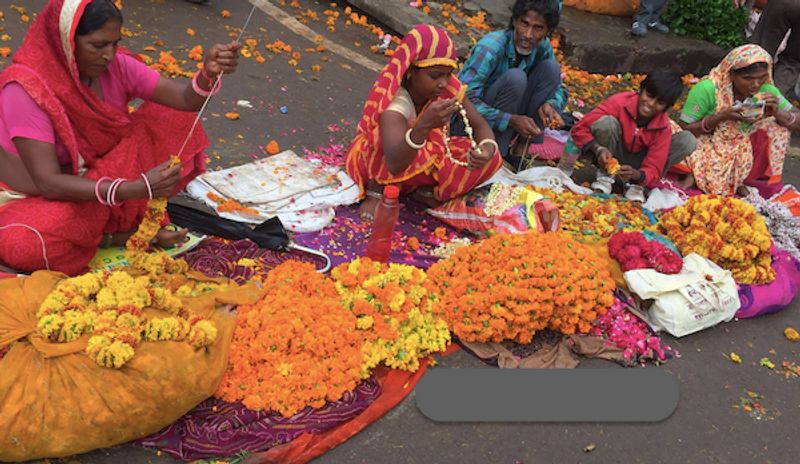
{"points": [[109, 305], [728, 231], [501, 197], [393, 309], [588, 217]]}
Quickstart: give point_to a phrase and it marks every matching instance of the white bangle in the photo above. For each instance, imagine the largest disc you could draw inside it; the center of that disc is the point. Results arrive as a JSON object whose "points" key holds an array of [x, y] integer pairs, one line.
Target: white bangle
{"points": [[793, 120], [147, 184], [491, 142], [415, 146]]}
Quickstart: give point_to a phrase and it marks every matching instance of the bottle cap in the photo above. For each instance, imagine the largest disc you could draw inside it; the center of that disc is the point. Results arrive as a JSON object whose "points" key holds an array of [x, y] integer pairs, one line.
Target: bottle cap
{"points": [[391, 191]]}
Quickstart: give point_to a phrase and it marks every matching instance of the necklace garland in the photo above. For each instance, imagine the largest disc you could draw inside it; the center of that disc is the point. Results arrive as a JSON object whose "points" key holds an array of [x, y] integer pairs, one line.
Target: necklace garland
{"points": [[467, 128]]}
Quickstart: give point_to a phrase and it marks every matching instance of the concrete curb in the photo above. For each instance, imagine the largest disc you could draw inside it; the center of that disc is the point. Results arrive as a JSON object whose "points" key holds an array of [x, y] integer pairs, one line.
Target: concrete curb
{"points": [[595, 43]]}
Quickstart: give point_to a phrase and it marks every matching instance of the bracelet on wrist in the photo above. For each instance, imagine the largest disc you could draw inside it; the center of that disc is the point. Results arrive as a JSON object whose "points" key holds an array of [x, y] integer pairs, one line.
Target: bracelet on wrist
{"points": [[97, 190], [215, 86], [792, 119], [491, 142], [704, 125], [411, 143]]}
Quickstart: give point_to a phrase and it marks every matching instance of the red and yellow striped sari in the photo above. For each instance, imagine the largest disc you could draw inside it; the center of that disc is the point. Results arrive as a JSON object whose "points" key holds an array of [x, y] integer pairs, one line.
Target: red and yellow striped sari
{"points": [[424, 46]]}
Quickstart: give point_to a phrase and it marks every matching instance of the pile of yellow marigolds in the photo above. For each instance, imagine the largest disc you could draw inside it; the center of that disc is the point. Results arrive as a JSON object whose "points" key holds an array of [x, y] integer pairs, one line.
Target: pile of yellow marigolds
{"points": [[728, 231]]}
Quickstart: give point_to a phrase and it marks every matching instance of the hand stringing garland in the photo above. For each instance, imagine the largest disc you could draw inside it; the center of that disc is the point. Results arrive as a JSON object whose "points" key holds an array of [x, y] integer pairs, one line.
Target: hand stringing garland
{"points": [[467, 129], [393, 310], [725, 230], [511, 286], [612, 166], [138, 244], [109, 306], [633, 251]]}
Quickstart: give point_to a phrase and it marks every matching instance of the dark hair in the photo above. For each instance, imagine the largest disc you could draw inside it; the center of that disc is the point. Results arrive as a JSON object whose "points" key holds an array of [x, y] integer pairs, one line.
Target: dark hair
{"points": [[664, 85], [755, 67], [96, 15], [548, 9]]}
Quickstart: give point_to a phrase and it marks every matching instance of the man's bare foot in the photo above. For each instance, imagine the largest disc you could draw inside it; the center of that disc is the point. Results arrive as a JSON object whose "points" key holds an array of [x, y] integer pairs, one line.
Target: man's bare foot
{"points": [[687, 182], [367, 208], [166, 238], [425, 196]]}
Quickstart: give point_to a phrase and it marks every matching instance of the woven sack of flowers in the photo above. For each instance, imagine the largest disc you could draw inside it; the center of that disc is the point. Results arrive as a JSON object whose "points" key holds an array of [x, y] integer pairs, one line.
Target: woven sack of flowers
{"points": [[58, 401]]}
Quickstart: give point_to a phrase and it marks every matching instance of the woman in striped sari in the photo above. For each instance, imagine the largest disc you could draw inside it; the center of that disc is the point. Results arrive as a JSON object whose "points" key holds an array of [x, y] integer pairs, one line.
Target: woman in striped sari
{"points": [[403, 137]]}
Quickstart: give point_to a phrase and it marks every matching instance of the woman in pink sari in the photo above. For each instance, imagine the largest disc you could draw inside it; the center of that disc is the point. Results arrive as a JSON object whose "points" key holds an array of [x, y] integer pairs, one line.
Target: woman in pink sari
{"points": [[76, 169]]}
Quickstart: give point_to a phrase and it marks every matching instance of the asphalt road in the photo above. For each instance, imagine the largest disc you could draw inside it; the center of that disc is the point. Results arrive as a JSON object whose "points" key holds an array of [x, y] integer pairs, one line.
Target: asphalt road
{"points": [[705, 428]]}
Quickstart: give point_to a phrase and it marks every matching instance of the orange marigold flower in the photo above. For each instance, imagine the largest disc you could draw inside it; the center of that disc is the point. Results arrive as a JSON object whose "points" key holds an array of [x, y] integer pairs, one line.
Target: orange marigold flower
{"points": [[273, 148]]}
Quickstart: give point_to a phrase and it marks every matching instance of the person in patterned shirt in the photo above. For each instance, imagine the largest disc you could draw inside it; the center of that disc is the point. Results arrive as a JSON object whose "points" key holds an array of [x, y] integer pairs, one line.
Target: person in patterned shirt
{"points": [[513, 78]]}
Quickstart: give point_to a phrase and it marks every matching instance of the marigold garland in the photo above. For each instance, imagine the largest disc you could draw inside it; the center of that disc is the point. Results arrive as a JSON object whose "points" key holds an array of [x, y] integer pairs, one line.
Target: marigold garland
{"points": [[728, 231], [511, 286], [297, 347], [588, 217], [109, 305], [393, 308], [612, 166]]}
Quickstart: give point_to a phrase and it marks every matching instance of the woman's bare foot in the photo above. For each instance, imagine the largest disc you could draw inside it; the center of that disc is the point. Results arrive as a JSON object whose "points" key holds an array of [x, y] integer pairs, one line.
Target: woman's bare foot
{"points": [[166, 238], [367, 208], [687, 182], [425, 196]]}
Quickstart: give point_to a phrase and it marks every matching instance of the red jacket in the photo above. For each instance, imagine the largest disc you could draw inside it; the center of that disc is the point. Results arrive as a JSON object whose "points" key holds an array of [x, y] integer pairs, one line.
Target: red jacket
{"points": [[654, 138]]}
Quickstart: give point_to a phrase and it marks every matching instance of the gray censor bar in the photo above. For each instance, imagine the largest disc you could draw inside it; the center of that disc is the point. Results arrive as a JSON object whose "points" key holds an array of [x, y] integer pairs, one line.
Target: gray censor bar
{"points": [[547, 395]]}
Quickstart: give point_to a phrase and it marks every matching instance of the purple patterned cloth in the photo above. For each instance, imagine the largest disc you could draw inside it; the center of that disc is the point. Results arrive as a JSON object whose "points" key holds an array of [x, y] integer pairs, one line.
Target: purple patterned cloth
{"points": [[776, 295], [346, 238], [219, 429], [216, 258]]}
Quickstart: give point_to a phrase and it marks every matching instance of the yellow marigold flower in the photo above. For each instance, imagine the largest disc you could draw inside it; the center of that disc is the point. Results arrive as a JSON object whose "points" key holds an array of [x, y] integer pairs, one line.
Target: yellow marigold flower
{"points": [[50, 326], [364, 322], [284, 369], [202, 333]]}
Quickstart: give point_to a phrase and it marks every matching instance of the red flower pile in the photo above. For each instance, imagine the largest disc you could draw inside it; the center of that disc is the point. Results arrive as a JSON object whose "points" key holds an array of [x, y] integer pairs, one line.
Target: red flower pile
{"points": [[633, 251]]}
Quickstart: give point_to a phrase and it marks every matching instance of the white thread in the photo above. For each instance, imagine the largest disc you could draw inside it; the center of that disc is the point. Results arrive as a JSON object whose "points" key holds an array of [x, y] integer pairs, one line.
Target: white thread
{"points": [[214, 89], [38, 234]]}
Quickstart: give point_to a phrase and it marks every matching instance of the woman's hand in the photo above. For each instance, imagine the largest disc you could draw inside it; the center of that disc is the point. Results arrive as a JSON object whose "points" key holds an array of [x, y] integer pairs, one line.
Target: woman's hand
{"points": [[731, 114], [163, 180], [438, 113], [221, 58], [479, 156], [771, 103]]}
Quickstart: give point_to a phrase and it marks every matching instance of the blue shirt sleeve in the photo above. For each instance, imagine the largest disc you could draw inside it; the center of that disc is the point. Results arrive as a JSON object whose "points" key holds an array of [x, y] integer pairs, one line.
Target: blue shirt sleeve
{"points": [[559, 100], [476, 73]]}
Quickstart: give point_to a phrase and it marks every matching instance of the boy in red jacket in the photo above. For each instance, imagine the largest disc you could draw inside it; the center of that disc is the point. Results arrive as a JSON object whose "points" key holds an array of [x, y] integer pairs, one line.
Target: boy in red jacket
{"points": [[633, 129]]}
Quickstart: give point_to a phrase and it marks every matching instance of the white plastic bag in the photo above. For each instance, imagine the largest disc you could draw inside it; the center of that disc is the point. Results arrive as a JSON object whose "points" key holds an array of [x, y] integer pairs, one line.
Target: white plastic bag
{"points": [[659, 199], [701, 296], [539, 176]]}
